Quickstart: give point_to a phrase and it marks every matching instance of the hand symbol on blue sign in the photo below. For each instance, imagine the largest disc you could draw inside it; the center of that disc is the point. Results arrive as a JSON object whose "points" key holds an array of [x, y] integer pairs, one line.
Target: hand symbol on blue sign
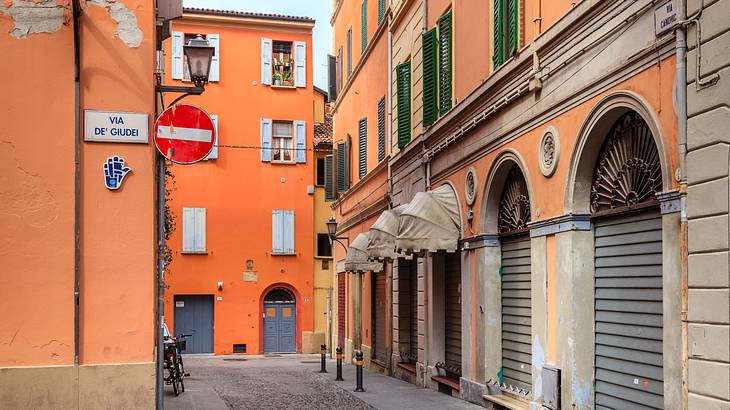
{"points": [[114, 172]]}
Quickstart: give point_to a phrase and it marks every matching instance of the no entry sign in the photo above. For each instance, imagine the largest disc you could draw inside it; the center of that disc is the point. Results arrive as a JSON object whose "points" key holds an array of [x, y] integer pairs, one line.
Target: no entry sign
{"points": [[184, 134]]}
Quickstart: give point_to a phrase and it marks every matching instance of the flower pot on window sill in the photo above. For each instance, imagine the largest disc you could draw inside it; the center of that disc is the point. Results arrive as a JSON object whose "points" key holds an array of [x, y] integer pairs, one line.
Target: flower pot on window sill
{"points": [[277, 82]]}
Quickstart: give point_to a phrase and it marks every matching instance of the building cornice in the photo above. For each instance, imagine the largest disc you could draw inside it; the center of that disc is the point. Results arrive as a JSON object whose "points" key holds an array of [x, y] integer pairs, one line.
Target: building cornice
{"points": [[336, 11], [379, 169], [399, 13], [252, 22], [376, 207], [579, 221]]}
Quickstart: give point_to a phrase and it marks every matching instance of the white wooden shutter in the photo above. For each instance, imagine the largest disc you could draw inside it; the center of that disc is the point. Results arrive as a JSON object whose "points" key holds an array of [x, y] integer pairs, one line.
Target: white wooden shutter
{"points": [[266, 139], [300, 63], [215, 63], [214, 152], [177, 55], [200, 230], [188, 223], [288, 231], [300, 141], [277, 240], [266, 49]]}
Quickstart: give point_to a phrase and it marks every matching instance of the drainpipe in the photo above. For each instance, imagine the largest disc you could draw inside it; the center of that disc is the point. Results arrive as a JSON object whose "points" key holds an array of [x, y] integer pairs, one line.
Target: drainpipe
{"points": [[160, 277], [76, 15], [681, 95]]}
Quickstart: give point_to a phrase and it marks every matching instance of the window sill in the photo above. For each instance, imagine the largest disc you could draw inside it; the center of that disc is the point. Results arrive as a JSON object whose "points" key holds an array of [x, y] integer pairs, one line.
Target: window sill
{"points": [[323, 257], [284, 87], [283, 162], [205, 252], [283, 254]]}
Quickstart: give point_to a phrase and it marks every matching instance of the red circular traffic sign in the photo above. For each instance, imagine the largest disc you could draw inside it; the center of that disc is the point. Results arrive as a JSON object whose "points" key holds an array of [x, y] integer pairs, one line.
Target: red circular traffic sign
{"points": [[184, 134]]}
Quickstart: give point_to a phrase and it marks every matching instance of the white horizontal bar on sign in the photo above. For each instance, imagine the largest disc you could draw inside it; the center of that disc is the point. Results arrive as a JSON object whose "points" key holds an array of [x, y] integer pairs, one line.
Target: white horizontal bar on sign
{"points": [[182, 133]]}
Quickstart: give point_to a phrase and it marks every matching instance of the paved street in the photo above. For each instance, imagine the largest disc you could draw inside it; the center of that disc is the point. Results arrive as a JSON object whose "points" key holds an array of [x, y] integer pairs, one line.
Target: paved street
{"points": [[293, 382]]}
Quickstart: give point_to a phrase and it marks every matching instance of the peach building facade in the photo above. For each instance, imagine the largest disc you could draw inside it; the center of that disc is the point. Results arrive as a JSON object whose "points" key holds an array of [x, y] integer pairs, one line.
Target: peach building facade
{"points": [[242, 277]]}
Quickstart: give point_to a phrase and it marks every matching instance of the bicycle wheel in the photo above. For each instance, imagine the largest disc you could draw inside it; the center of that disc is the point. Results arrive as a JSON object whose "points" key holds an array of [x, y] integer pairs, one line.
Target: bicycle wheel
{"points": [[180, 374], [174, 379]]}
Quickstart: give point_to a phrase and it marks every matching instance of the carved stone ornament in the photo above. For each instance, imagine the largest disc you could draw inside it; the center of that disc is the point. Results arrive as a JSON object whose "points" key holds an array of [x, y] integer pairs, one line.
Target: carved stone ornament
{"points": [[549, 151], [514, 206], [470, 186], [628, 170]]}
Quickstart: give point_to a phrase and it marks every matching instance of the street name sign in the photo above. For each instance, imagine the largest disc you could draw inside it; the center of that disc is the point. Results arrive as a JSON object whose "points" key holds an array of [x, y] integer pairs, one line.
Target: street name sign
{"points": [[665, 18], [115, 126], [184, 134]]}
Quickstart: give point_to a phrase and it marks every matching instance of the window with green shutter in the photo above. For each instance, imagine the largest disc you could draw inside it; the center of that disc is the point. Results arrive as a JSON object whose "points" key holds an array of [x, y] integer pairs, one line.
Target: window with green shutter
{"points": [[512, 27], [403, 99], [498, 56], [430, 75], [381, 11], [506, 30], [329, 178], [444, 25], [343, 166], [364, 33]]}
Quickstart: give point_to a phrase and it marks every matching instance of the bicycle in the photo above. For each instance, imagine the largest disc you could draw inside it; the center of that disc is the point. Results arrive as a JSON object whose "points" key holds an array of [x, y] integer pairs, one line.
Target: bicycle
{"points": [[174, 363]]}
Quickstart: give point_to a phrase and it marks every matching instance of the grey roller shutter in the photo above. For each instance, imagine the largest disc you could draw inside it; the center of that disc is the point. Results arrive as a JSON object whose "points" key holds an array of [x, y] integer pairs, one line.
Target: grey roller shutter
{"points": [[452, 318], [379, 317], [516, 312], [628, 291], [341, 311], [413, 293]]}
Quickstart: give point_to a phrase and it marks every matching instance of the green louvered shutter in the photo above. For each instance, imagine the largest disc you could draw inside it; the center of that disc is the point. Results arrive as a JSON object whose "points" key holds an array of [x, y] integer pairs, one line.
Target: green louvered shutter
{"points": [[512, 26], [444, 25], [403, 90], [364, 33], [329, 182], [430, 74], [381, 10], [498, 57], [343, 166]]}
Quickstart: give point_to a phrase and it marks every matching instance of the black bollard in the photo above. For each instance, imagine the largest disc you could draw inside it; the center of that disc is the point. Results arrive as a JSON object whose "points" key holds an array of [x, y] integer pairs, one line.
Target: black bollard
{"points": [[323, 351], [339, 364], [358, 371]]}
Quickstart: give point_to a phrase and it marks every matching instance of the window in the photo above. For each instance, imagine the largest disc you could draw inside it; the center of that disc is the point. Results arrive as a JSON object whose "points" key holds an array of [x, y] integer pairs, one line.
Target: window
{"points": [[381, 11], [282, 232], [343, 165], [281, 142], [193, 230], [444, 25], [506, 34], [320, 172], [339, 70], [349, 52], [403, 99], [283, 63], [362, 147], [180, 69], [324, 247], [430, 77], [213, 154], [332, 77], [364, 24], [329, 178], [381, 129]]}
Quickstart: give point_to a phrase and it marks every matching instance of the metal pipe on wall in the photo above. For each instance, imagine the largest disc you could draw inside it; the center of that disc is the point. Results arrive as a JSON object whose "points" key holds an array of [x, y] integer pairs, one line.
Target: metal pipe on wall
{"points": [[76, 15]]}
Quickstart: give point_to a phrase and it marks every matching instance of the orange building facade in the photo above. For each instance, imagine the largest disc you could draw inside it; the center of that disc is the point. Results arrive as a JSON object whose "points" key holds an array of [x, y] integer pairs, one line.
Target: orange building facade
{"points": [[241, 279], [92, 241]]}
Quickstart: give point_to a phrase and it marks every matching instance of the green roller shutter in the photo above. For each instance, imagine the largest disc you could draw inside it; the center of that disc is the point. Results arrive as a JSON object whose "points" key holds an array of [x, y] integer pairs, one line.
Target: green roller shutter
{"points": [[444, 24], [364, 33], [403, 89], [430, 73], [329, 182], [343, 166], [512, 26], [381, 10], [498, 56]]}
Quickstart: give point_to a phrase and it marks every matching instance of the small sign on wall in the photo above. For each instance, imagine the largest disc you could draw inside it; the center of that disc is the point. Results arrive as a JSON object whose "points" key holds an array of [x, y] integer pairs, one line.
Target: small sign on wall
{"points": [[114, 126], [250, 276], [665, 18], [179, 303]]}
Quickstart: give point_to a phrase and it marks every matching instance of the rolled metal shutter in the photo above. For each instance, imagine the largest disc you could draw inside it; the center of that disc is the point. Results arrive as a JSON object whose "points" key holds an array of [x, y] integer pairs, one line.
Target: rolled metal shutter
{"points": [[413, 305], [628, 291], [516, 312], [452, 318], [379, 317], [341, 309]]}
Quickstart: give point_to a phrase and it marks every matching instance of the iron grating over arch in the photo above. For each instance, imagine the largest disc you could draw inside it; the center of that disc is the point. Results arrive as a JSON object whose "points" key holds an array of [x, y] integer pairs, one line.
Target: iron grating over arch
{"points": [[279, 295], [628, 170], [514, 205]]}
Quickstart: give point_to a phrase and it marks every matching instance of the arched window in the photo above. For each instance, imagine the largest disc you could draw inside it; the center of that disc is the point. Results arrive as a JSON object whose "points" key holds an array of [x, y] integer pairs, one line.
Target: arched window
{"points": [[279, 295], [514, 205]]}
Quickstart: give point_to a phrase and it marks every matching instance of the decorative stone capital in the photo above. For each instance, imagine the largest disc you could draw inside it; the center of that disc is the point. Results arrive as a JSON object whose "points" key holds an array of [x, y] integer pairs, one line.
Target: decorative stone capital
{"points": [[571, 222]]}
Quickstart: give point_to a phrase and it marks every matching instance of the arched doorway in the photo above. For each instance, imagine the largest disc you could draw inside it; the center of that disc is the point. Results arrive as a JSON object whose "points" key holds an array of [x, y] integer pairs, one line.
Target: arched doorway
{"points": [[628, 307], [280, 321], [516, 286]]}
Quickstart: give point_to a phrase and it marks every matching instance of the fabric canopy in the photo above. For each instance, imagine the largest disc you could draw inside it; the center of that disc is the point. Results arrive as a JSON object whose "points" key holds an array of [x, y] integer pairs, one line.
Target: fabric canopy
{"points": [[357, 256], [382, 235], [430, 223]]}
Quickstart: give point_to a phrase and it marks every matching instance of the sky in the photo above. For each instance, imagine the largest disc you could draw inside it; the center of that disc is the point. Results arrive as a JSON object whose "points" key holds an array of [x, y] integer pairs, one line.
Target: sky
{"points": [[320, 10]]}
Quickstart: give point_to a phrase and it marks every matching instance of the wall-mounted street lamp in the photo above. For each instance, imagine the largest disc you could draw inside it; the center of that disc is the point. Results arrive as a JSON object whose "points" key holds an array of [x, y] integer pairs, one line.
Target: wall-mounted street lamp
{"points": [[199, 54], [332, 233]]}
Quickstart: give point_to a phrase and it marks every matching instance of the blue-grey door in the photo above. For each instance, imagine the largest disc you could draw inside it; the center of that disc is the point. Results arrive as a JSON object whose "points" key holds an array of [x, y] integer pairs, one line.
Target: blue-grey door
{"points": [[194, 316], [280, 327]]}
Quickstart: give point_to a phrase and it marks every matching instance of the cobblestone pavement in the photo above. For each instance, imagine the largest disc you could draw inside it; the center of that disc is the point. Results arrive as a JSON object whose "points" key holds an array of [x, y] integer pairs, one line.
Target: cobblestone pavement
{"points": [[261, 383]]}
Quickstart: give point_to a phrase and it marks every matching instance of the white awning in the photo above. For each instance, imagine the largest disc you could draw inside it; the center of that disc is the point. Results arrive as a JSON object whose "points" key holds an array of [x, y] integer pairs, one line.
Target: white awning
{"points": [[382, 235], [430, 223], [357, 256]]}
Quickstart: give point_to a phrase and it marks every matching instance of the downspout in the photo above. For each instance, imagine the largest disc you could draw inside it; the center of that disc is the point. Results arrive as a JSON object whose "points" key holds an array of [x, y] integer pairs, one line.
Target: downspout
{"points": [[389, 265], [681, 95], [76, 15]]}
